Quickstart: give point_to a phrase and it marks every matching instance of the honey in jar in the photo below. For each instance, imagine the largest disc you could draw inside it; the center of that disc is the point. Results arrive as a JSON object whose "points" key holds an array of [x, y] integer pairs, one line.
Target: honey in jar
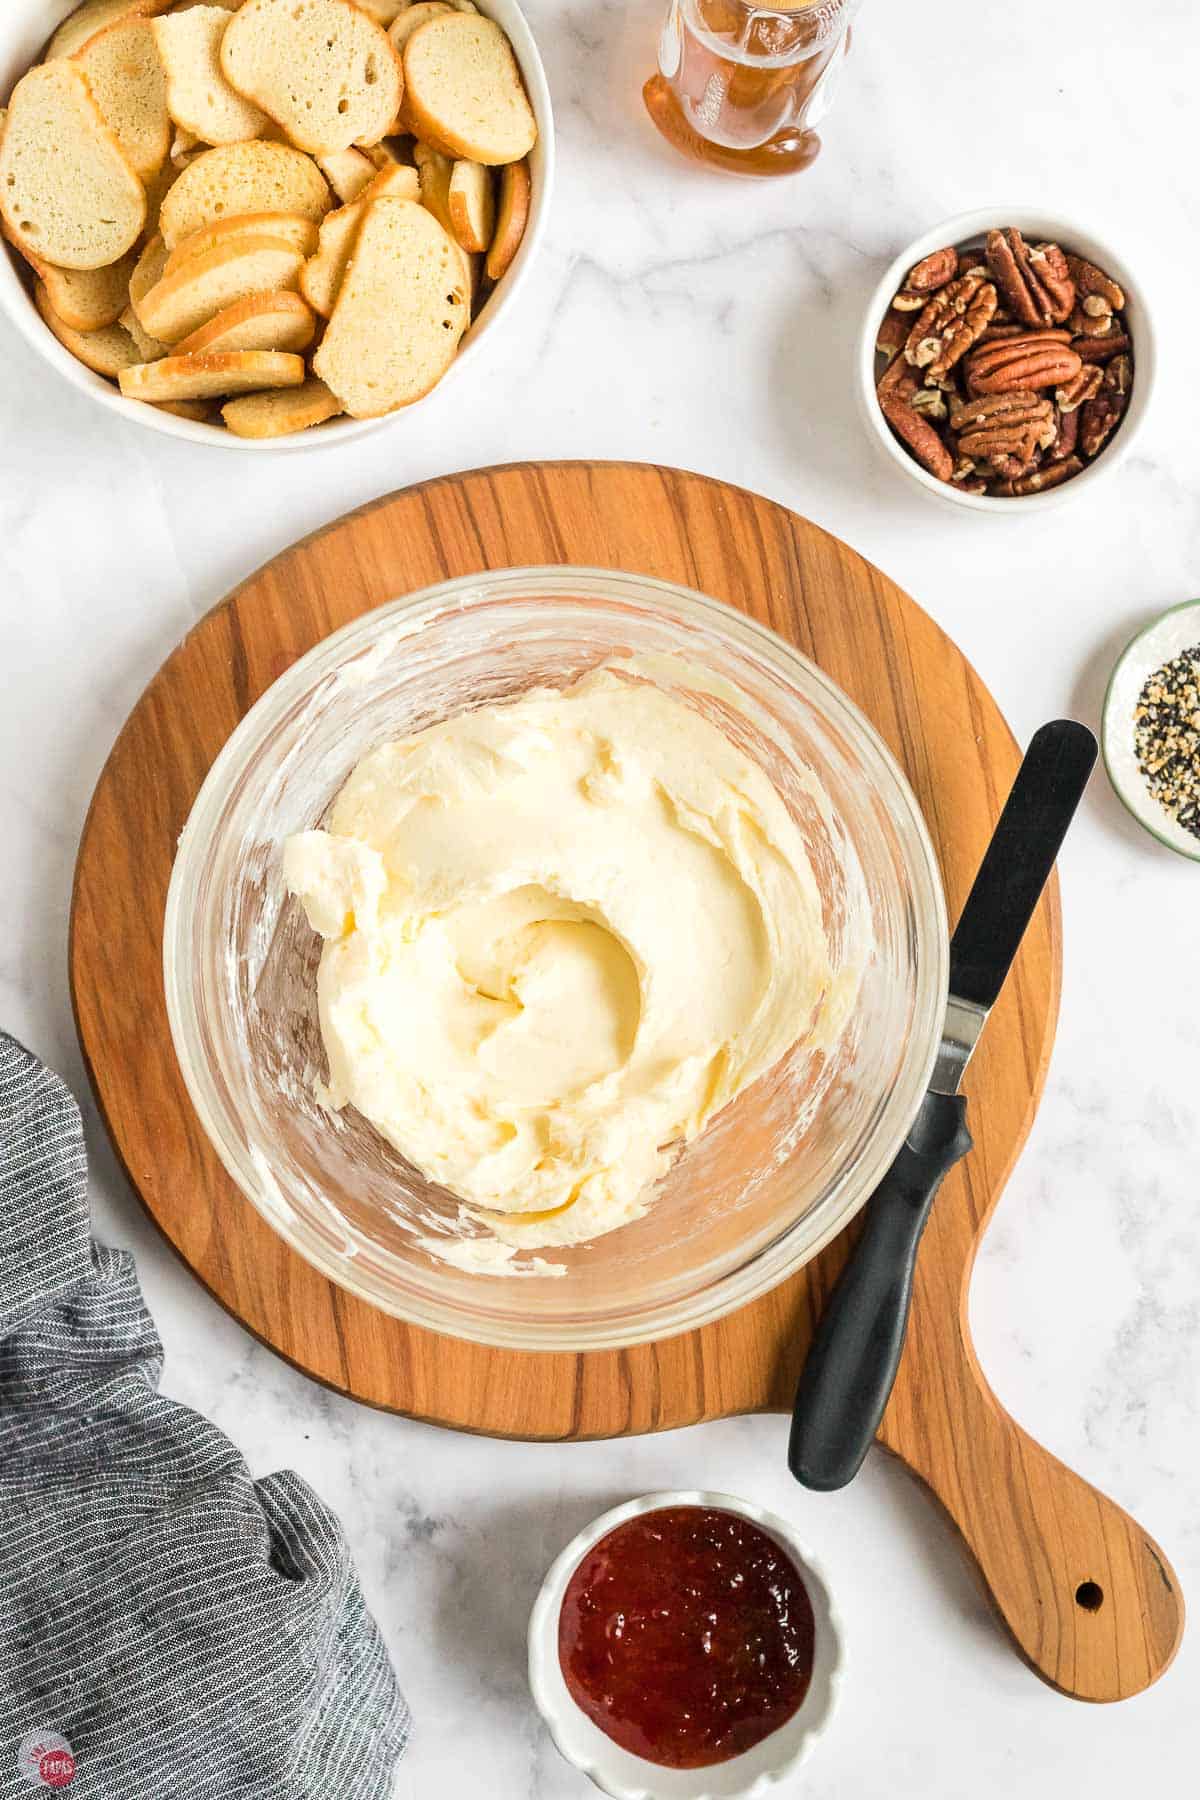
{"points": [[741, 86]]}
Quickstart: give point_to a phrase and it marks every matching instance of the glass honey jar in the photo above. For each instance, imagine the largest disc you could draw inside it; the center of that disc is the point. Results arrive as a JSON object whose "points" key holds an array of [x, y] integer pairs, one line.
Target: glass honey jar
{"points": [[741, 87]]}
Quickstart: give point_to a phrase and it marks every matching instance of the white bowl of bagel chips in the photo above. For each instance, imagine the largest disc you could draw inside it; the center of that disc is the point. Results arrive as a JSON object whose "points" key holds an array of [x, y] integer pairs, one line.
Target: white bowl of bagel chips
{"points": [[267, 224]]}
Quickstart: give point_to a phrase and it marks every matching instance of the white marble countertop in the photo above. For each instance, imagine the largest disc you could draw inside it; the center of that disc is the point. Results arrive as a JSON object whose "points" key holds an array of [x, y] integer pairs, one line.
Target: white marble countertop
{"points": [[686, 319]]}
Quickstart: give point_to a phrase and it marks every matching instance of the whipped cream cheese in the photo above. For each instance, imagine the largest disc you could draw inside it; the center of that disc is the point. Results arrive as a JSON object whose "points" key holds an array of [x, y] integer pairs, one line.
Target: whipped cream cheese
{"points": [[561, 934]]}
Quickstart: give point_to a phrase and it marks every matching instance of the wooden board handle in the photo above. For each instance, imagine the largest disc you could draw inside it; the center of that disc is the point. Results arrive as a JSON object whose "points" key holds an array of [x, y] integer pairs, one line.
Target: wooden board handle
{"points": [[1090, 1600]]}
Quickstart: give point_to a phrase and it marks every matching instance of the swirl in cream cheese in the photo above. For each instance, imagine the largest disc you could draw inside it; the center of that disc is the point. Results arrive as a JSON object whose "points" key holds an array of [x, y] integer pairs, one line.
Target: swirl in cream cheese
{"points": [[561, 934]]}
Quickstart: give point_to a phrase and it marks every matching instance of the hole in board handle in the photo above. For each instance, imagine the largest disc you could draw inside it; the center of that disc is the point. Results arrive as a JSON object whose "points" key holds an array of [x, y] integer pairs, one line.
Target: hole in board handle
{"points": [[1089, 1595]]}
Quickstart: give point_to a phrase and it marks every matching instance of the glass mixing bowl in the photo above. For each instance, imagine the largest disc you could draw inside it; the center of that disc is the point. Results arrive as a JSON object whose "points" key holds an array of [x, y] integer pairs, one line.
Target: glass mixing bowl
{"points": [[774, 1176]]}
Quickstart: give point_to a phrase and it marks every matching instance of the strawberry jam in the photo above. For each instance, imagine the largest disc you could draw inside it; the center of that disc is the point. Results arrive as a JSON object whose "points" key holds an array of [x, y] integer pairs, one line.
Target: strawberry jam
{"points": [[686, 1635]]}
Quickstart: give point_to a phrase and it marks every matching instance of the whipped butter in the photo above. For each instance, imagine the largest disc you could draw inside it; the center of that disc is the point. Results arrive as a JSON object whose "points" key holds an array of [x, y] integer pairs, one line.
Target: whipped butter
{"points": [[561, 934]]}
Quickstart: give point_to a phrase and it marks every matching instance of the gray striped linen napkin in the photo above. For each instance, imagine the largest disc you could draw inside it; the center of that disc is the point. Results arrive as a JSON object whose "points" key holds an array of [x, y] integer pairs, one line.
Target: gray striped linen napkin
{"points": [[169, 1628]]}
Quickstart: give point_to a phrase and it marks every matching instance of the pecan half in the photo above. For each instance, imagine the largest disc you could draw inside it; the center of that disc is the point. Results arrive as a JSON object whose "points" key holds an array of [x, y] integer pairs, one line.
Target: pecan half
{"points": [[1118, 376], [1065, 439], [972, 259], [1039, 359], [892, 334], [898, 378], [1100, 349], [1005, 430], [1052, 475], [1092, 317], [1090, 280], [925, 278], [929, 402], [955, 318], [1072, 394], [967, 477], [1020, 408], [1034, 281], [1098, 419], [917, 433]]}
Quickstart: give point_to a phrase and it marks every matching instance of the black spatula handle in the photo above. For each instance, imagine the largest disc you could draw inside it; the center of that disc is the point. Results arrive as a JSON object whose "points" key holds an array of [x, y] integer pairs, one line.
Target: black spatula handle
{"points": [[852, 1363]]}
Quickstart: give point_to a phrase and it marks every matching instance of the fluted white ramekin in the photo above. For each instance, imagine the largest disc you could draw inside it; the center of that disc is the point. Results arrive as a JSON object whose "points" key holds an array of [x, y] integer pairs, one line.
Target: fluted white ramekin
{"points": [[757, 1772]]}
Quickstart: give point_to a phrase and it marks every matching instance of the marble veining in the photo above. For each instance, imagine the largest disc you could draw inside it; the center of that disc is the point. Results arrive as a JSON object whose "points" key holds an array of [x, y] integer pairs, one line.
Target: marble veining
{"points": [[691, 319]]}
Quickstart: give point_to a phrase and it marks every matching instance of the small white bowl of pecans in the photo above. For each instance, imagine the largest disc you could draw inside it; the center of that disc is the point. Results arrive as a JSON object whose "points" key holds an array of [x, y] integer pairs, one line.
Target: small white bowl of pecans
{"points": [[1006, 360]]}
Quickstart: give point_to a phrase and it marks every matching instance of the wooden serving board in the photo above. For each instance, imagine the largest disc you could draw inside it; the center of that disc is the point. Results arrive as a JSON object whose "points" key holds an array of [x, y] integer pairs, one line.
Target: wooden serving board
{"points": [[1089, 1599]]}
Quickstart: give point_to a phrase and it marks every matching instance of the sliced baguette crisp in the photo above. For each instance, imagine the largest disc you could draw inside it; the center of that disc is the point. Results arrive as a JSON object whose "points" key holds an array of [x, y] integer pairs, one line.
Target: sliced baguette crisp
{"points": [[434, 171], [321, 277], [412, 19], [88, 299], [400, 32], [107, 352], [281, 321], [400, 313], [243, 178], [83, 297], [198, 96], [94, 16], [185, 148], [398, 181], [280, 414], [291, 228], [200, 412], [322, 69], [127, 83], [471, 200], [207, 284], [67, 192], [29, 255], [387, 153], [149, 349], [472, 270], [384, 11], [348, 172], [156, 192], [148, 271], [219, 372], [463, 91], [512, 216]]}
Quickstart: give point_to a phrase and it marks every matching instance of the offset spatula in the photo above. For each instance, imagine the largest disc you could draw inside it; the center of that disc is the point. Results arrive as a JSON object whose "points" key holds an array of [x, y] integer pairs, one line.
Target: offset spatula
{"points": [[851, 1368]]}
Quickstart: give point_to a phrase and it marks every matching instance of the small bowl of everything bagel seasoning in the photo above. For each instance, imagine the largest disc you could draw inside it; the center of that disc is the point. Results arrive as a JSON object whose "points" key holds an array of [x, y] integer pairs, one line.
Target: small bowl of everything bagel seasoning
{"points": [[1151, 729], [1006, 360]]}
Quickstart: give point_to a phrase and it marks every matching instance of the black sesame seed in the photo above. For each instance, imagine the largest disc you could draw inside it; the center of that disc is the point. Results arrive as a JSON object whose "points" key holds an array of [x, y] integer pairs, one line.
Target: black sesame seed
{"points": [[1167, 737]]}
